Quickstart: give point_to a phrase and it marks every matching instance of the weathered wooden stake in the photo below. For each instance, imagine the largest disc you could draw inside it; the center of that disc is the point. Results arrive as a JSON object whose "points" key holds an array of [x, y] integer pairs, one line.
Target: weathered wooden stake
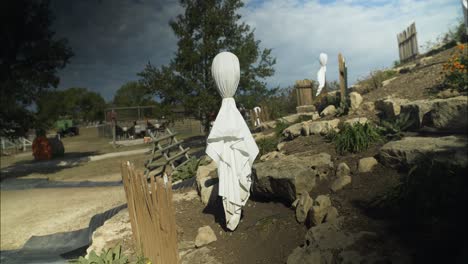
{"points": [[343, 77]]}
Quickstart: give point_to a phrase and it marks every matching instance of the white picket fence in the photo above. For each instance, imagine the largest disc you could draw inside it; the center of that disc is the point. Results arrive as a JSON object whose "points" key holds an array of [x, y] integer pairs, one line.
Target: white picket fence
{"points": [[16, 144]]}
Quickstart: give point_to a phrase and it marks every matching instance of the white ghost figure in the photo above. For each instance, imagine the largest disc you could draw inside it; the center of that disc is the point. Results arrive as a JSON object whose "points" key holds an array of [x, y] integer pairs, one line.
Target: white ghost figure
{"points": [[230, 143], [323, 58]]}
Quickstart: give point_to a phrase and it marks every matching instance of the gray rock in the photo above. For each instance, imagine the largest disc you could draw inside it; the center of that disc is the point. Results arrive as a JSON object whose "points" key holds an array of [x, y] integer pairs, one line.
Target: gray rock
{"points": [[260, 136], [293, 131], [408, 151], [320, 209], [361, 120], [390, 107], [356, 100], [448, 94], [199, 256], [284, 178], [329, 111], [340, 182], [305, 255], [367, 164], [111, 233], [272, 155], [323, 127], [342, 170], [332, 215], [207, 181], [205, 236], [368, 107], [280, 146], [350, 257], [447, 115], [303, 205], [388, 81]]}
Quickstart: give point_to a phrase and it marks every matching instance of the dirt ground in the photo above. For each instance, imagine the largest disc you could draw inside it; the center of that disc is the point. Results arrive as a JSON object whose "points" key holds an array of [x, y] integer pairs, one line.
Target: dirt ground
{"points": [[267, 232], [34, 212]]}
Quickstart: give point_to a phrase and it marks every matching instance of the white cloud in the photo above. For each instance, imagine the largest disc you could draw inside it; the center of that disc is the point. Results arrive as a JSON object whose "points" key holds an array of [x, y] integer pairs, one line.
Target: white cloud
{"points": [[364, 31]]}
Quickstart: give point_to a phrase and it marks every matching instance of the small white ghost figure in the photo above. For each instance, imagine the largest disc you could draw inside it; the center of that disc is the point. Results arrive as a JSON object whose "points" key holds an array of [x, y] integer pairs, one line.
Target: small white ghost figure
{"points": [[323, 58], [257, 111]]}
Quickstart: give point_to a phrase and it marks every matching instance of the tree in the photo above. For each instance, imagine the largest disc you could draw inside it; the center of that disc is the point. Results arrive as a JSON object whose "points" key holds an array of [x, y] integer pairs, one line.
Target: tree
{"points": [[206, 28], [30, 56], [76, 103], [133, 94]]}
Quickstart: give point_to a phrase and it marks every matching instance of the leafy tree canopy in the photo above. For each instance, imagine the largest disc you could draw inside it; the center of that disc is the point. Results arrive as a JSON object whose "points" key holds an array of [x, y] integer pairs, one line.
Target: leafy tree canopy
{"points": [[76, 103], [133, 94], [206, 28], [30, 57]]}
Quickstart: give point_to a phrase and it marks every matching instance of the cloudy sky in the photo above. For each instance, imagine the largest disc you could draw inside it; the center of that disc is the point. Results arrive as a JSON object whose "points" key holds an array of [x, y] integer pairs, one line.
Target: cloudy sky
{"points": [[114, 39]]}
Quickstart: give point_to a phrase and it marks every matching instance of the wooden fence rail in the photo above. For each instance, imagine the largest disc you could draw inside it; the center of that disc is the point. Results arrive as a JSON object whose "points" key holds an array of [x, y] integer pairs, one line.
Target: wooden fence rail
{"points": [[408, 44], [152, 215]]}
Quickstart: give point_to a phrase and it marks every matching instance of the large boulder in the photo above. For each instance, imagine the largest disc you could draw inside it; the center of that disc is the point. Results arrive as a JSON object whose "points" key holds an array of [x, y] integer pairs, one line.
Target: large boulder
{"points": [[367, 164], [320, 127], [329, 111], [409, 151], [272, 155], [111, 233], [390, 107], [303, 205], [322, 241], [361, 120], [207, 181], [293, 131], [356, 100], [205, 236], [446, 115], [285, 178]]}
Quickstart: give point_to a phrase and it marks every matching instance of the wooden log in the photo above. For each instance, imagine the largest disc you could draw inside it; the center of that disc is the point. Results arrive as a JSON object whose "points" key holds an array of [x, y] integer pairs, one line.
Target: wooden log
{"points": [[342, 73]]}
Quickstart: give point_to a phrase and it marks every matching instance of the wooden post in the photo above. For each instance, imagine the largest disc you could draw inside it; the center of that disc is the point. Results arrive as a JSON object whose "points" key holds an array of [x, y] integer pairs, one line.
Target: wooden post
{"points": [[343, 73]]}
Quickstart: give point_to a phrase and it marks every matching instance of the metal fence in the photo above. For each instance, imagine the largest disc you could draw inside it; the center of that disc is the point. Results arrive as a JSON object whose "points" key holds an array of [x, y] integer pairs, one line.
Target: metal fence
{"points": [[408, 44]]}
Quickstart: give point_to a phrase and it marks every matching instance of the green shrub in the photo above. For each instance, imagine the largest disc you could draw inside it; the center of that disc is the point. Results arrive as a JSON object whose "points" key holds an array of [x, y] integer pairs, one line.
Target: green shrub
{"points": [[281, 125], [188, 170], [354, 138], [266, 145], [110, 256], [393, 128]]}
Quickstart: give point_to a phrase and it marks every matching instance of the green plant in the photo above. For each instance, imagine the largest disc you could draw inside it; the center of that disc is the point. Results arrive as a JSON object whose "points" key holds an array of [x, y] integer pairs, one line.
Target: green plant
{"points": [[281, 125], [343, 108], [354, 138], [188, 170], [456, 70], [393, 128], [110, 256], [266, 145]]}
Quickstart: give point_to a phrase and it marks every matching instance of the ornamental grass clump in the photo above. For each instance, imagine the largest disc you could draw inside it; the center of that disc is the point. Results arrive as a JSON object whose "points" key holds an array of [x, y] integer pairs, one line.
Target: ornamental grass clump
{"points": [[354, 138]]}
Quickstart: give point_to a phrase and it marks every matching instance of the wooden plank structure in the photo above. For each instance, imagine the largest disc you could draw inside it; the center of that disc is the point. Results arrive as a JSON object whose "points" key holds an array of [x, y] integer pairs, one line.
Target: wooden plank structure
{"points": [[152, 215], [167, 154], [408, 44], [304, 92], [343, 71]]}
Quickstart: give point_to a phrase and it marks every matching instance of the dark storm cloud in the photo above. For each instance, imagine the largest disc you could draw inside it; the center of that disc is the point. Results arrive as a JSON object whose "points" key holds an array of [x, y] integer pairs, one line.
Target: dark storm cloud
{"points": [[113, 40]]}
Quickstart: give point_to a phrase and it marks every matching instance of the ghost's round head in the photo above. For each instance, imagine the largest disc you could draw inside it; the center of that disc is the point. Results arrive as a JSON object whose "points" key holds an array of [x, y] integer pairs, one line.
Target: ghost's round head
{"points": [[323, 58], [226, 73]]}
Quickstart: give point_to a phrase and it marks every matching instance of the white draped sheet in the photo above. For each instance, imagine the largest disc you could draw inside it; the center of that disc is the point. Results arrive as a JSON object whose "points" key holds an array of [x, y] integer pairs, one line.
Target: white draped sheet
{"points": [[323, 58], [230, 143]]}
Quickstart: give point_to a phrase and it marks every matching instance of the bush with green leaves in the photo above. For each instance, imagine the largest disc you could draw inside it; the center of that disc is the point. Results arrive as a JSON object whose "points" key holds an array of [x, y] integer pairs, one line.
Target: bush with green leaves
{"points": [[188, 170], [281, 125], [266, 145], [110, 256], [354, 138], [393, 128]]}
